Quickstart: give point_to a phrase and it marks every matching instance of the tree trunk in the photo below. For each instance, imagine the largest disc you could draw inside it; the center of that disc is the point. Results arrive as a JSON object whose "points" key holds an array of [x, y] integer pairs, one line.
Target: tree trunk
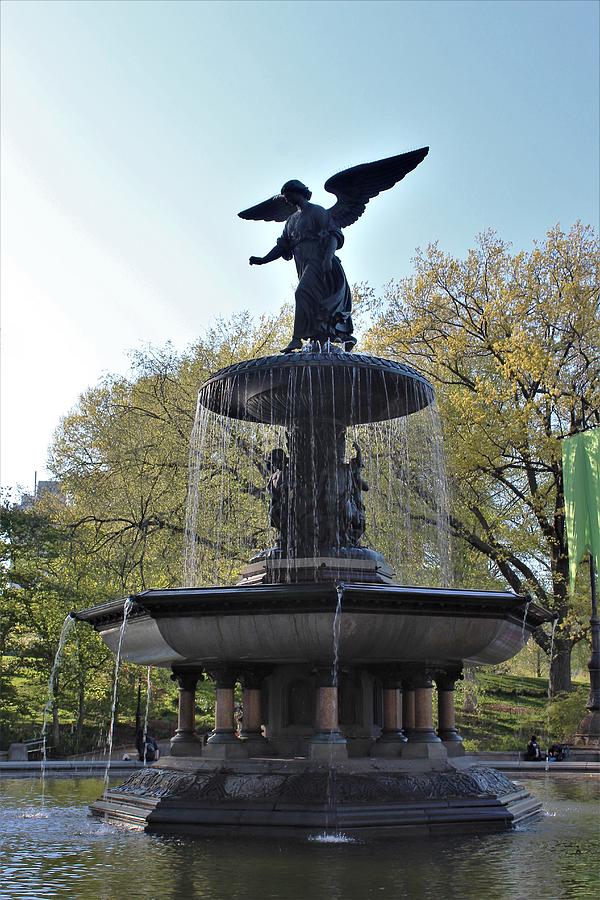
{"points": [[560, 667]]}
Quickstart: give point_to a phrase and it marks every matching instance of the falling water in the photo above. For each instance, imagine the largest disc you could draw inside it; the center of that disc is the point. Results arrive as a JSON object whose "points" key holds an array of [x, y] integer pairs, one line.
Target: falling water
{"points": [[109, 744], [331, 804], [337, 624], [524, 638], [147, 710], [64, 634], [406, 505]]}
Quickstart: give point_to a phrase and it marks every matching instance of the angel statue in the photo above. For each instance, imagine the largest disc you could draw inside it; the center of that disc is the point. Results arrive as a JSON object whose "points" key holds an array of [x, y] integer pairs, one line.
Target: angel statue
{"points": [[311, 236]]}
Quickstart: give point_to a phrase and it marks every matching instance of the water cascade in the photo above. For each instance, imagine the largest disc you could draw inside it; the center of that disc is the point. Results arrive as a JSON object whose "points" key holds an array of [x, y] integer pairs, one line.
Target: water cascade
{"points": [[365, 473]]}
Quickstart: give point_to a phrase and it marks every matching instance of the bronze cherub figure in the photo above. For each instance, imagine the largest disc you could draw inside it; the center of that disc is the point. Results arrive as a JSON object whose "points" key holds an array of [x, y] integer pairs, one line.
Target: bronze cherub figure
{"points": [[311, 236]]}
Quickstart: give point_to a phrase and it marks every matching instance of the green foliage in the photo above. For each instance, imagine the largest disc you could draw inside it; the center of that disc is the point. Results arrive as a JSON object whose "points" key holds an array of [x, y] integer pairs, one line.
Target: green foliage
{"points": [[512, 708], [122, 460], [565, 712], [511, 343], [46, 574]]}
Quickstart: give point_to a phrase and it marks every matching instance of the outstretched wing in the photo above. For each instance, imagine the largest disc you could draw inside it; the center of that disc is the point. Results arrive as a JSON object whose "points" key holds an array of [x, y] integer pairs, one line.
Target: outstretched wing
{"points": [[277, 209], [356, 186]]}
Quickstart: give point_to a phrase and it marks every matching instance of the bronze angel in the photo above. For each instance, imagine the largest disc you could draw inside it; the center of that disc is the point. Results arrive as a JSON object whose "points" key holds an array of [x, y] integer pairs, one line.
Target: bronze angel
{"points": [[311, 236]]}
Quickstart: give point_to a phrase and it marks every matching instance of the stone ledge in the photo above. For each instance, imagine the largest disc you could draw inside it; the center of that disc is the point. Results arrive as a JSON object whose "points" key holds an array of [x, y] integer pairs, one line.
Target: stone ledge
{"points": [[301, 798]]}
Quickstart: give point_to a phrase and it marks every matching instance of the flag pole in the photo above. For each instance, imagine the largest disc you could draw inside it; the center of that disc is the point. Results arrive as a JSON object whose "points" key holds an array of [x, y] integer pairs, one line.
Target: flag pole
{"points": [[593, 703], [587, 737]]}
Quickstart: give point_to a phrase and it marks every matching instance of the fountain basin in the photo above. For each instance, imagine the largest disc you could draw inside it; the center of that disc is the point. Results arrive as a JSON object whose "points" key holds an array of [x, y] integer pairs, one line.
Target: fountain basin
{"points": [[347, 388], [293, 623]]}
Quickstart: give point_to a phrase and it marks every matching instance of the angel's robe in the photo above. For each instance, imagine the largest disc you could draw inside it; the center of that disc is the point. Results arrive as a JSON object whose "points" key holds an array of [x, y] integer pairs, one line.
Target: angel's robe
{"points": [[323, 299]]}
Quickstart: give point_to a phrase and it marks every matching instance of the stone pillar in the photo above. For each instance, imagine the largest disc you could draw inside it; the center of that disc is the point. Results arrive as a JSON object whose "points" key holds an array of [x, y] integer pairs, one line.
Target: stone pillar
{"points": [[392, 737], [327, 743], [445, 682], [185, 741], [423, 742], [408, 705], [251, 735], [223, 742]]}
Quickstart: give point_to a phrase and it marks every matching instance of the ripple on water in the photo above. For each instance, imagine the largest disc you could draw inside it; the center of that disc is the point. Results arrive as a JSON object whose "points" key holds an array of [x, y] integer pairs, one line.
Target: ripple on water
{"points": [[62, 853]]}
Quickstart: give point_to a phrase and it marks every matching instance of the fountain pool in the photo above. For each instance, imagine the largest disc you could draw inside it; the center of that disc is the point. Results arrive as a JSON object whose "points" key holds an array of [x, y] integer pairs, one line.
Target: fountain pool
{"points": [[62, 852]]}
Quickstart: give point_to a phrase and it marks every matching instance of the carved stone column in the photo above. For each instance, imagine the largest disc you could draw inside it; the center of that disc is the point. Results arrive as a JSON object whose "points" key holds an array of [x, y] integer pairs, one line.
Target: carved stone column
{"points": [[408, 705], [392, 737], [223, 742], [185, 741], [423, 742], [251, 735], [445, 682], [328, 742]]}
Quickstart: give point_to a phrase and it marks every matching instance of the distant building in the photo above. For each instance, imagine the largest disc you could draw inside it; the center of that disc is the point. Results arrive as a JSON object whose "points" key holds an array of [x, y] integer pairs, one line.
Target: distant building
{"points": [[41, 488]]}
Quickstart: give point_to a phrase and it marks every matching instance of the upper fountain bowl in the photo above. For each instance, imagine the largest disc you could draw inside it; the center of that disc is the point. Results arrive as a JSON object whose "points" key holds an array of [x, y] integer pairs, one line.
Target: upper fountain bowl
{"points": [[346, 388]]}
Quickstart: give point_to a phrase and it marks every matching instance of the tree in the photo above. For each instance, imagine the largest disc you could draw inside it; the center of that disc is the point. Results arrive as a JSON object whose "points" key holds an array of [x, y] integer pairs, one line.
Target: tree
{"points": [[512, 344], [122, 457], [45, 576]]}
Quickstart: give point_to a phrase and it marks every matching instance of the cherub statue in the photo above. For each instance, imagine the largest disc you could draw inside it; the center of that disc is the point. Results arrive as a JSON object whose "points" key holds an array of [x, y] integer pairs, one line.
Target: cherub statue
{"points": [[277, 488], [311, 236]]}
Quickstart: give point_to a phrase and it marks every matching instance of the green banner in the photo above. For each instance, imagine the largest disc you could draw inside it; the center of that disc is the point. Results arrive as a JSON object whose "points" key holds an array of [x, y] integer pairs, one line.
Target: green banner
{"points": [[581, 476]]}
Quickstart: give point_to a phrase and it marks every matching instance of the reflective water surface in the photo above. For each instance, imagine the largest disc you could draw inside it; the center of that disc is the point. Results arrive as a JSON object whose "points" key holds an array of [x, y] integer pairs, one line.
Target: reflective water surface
{"points": [[59, 851]]}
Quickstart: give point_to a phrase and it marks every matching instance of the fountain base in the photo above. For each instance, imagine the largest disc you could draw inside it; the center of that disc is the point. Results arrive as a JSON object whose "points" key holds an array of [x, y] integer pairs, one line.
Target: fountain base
{"points": [[359, 564], [304, 797]]}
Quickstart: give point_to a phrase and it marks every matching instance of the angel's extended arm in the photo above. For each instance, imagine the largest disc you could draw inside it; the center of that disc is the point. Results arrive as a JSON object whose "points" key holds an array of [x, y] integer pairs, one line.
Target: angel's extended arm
{"points": [[272, 255]]}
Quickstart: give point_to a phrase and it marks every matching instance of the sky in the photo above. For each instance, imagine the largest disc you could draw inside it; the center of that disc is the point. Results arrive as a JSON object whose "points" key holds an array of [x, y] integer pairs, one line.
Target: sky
{"points": [[133, 133]]}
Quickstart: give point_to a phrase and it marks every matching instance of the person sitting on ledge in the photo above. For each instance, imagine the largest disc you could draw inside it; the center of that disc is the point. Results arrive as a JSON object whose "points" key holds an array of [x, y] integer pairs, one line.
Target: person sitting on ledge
{"points": [[558, 752], [533, 753], [149, 751]]}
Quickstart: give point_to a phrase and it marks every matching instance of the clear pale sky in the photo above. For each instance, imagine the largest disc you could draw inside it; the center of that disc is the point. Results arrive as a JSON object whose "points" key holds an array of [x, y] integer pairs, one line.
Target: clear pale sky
{"points": [[133, 133]]}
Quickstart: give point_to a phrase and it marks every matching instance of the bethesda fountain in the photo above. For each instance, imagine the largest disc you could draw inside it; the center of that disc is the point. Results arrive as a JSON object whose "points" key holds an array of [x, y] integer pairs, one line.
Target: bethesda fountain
{"points": [[338, 663]]}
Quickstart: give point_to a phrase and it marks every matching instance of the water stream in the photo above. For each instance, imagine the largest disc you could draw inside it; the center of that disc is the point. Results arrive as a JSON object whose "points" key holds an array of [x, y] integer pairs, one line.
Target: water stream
{"points": [[64, 634], [147, 709], [332, 833], [109, 743], [402, 462], [525, 638]]}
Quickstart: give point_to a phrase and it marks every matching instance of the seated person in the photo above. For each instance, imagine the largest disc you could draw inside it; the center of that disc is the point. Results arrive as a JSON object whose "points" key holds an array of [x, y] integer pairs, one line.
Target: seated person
{"points": [[558, 752], [533, 749], [149, 750]]}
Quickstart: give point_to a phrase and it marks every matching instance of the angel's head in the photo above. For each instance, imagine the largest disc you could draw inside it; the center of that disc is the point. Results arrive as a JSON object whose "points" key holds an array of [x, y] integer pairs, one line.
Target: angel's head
{"points": [[295, 187]]}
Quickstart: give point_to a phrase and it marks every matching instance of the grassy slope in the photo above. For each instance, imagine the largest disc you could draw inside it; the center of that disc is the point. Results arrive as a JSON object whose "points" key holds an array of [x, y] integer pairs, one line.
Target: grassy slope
{"points": [[511, 708]]}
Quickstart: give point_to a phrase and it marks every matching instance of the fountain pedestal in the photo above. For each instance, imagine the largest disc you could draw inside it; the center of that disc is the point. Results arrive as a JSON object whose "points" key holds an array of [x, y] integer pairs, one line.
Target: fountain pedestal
{"points": [[328, 743], [447, 731], [423, 742], [254, 742], [392, 738], [296, 797], [185, 741], [223, 742]]}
